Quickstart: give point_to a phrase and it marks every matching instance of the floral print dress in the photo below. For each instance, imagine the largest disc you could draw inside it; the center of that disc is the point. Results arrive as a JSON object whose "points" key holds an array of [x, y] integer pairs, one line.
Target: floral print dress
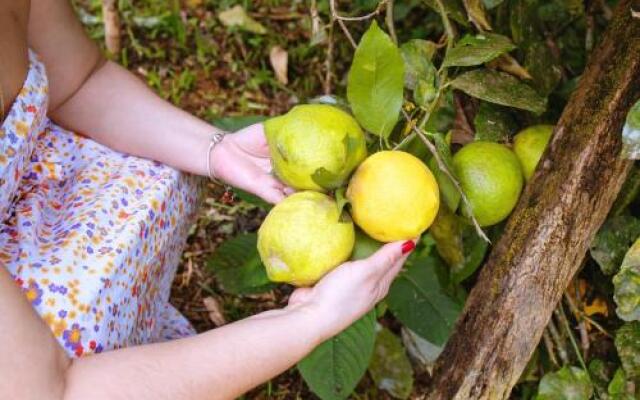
{"points": [[91, 235]]}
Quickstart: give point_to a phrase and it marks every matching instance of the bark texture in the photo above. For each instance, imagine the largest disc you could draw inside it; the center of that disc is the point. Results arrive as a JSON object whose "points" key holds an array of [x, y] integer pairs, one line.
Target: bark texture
{"points": [[549, 232]]}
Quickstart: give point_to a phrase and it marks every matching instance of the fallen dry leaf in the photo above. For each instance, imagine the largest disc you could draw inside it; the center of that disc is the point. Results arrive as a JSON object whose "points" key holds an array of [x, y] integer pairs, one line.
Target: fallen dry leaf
{"points": [[279, 62], [510, 65], [238, 17], [215, 312]]}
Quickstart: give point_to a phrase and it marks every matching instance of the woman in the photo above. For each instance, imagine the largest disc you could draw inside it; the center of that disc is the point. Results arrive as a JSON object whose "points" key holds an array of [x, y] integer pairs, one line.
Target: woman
{"points": [[90, 237]]}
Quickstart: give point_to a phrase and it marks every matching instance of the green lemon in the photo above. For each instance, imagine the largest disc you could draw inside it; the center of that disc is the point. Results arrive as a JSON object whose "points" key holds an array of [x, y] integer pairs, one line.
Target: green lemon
{"points": [[491, 177], [304, 237], [529, 144], [315, 146]]}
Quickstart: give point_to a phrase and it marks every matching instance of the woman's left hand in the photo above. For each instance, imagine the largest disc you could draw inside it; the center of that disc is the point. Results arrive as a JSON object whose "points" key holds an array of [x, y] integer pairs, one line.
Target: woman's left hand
{"points": [[242, 160]]}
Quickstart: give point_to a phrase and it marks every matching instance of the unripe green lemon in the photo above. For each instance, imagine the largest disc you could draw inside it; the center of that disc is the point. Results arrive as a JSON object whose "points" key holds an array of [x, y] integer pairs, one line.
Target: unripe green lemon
{"points": [[315, 146], [303, 237], [491, 177], [393, 196], [529, 144]]}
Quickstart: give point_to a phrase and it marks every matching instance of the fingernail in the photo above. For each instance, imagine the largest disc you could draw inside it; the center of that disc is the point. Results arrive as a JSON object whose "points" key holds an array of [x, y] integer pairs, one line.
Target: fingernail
{"points": [[408, 246]]}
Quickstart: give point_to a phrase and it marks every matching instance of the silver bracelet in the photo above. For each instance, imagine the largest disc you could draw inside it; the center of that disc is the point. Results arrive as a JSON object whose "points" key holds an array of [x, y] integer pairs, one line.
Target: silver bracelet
{"points": [[216, 138]]}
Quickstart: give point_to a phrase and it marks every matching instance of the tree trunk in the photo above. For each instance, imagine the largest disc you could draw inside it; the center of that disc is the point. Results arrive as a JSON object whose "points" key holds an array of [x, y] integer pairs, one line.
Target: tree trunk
{"points": [[549, 232], [111, 20]]}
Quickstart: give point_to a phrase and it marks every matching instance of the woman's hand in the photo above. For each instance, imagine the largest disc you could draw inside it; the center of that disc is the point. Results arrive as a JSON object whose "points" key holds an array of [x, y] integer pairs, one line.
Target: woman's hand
{"points": [[242, 160], [351, 290]]}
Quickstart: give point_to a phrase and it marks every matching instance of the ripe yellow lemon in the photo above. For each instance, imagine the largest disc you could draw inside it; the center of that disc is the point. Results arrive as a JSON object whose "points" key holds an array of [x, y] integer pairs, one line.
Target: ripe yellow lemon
{"points": [[393, 196], [491, 177], [529, 144], [315, 146], [303, 237]]}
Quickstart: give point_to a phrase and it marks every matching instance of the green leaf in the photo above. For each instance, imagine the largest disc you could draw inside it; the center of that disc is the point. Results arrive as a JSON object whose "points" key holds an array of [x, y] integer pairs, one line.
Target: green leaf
{"points": [[376, 82], [335, 367], [523, 21], [417, 299], [491, 4], [628, 192], [628, 345], [500, 88], [237, 266], [600, 375], [450, 195], [626, 285], [233, 124], [493, 123], [390, 368], [477, 49], [417, 55], [458, 244], [364, 246], [631, 134], [613, 240], [341, 200], [568, 383], [541, 65], [617, 389], [238, 17], [453, 8], [252, 199], [633, 118], [327, 179]]}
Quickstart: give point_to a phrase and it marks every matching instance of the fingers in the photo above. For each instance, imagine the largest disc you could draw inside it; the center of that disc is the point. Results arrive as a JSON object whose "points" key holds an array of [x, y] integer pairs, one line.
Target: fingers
{"points": [[300, 295], [271, 189], [388, 256]]}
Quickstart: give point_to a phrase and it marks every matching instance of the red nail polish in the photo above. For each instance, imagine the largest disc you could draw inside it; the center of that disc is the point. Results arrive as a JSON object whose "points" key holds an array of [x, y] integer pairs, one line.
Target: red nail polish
{"points": [[408, 246]]}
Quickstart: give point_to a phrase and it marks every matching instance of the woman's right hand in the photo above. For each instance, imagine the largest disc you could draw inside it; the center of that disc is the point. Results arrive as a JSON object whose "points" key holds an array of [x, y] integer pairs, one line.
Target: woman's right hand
{"points": [[352, 289]]}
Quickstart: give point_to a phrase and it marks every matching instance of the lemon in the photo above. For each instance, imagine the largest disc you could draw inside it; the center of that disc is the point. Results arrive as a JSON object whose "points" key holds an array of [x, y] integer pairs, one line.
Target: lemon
{"points": [[315, 146], [529, 144], [393, 196], [491, 177], [303, 237]]}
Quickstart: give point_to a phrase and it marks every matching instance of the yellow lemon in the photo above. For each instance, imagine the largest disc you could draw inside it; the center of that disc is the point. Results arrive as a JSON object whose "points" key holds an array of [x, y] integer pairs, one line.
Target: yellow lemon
{"points": [[315, 146], [304, 237], [529, 144], [491, 178], [393, 196]]}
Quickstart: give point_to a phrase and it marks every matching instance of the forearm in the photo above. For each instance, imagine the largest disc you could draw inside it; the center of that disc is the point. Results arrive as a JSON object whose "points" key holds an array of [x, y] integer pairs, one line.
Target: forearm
{"points": [[116, 109], [220, 364]]}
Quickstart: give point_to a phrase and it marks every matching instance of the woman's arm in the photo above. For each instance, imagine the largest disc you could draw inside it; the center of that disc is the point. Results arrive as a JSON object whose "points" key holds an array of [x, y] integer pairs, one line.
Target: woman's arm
{"points": [[104, 101], [220, 364]]}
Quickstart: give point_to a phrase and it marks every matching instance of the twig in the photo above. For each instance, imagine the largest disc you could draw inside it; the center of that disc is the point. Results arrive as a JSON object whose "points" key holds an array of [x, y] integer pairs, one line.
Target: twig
{"points": [[560, 345], [444, 169], [563, 317], [448, 28], [372, 14], [335, 17], [549, 345], [389, 21], [111, 21], [584, 334]]}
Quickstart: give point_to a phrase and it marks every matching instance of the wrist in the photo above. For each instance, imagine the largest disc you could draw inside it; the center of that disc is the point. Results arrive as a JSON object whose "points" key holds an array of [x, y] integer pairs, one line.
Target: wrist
{"points": [[313, 322], [214, 148]]}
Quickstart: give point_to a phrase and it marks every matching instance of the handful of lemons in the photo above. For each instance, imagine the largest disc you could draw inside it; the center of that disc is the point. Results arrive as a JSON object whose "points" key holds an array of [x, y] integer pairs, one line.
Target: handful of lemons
{"points": [[315, 149], [392, 194]]}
